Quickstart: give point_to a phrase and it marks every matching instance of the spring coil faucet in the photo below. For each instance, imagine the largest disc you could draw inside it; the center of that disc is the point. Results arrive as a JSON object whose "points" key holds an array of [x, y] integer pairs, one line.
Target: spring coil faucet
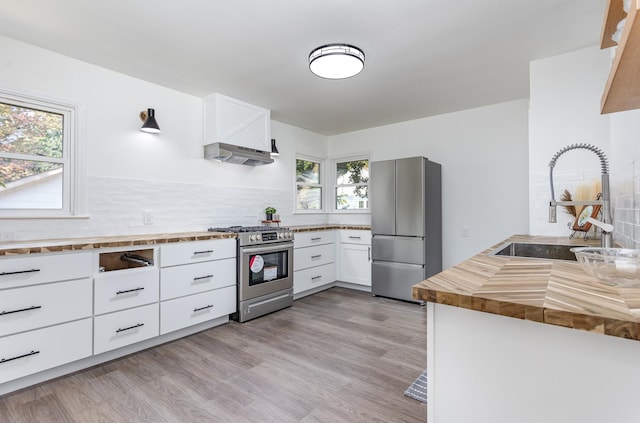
{"points": [[604, 199]]}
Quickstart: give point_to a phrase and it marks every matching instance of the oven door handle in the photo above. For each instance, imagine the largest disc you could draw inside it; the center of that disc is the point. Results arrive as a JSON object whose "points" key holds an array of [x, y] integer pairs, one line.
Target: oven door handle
{"points": [[268, 249]]}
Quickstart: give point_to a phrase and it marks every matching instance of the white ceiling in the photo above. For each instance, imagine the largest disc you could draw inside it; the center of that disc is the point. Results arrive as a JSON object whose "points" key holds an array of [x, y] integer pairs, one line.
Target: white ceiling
{"points": [[423, 57]]}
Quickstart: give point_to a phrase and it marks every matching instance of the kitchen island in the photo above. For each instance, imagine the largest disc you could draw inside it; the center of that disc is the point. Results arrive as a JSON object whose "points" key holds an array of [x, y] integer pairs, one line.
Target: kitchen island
{"points": [[524, 340]]}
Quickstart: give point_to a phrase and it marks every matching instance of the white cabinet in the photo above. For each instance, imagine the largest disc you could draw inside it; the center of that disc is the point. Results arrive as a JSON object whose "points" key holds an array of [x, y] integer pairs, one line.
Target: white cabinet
{"points": [[126, 327], [123, 289], [30, 352], [354, 257], [235, 122], [45, 312], [32, 269], [197, 283], [313, 261]]}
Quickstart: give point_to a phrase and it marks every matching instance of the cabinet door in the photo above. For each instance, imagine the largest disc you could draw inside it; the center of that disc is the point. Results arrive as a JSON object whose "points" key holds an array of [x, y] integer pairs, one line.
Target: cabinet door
{"points": [[313, 256], [355, 264], [188, 279], [314, 277], [33, 307], [197, 251], [128, 288], [122, 328], [309, 239], [38, 350], [32, 269], [187, 311]]}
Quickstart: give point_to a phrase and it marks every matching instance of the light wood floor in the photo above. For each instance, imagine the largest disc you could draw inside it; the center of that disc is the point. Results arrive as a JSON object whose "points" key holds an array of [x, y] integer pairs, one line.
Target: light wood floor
{"points": [[336, 356]]}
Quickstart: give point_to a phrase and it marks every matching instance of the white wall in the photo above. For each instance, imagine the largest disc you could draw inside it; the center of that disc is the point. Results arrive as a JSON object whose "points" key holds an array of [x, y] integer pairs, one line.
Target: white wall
{"points": [[129, 171], [565, 109], [483, 153]]}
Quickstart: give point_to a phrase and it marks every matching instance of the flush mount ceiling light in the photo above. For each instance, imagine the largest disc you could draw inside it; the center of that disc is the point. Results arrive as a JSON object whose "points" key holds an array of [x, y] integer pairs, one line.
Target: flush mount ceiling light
{"points": [[336, 61], [149, 119]]}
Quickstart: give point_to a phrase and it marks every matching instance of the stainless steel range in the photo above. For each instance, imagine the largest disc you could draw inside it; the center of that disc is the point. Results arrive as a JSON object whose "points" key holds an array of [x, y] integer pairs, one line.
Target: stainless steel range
{"points": [[265, 270]]}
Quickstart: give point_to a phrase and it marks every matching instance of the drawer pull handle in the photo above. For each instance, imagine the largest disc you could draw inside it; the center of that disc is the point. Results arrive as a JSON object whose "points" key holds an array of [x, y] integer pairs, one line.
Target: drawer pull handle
{"points": [[316, 256], [203, 308], [315, 278], [203, 252], [4, 360], [130, 327], [22, 309], [199, 278], [354, 237], [19, 271], [369, 253], [316, 239], [127, 291]]}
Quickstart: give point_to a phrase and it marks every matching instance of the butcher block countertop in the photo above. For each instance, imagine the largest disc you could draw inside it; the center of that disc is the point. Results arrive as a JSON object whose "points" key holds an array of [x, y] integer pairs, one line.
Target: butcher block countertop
{"points": [[554, 292], [77, 244]]}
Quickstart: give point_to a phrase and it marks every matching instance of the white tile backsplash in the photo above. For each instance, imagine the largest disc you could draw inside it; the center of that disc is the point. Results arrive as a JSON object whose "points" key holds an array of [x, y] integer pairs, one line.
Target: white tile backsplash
{"points": [[625, 191], [116, 206]]}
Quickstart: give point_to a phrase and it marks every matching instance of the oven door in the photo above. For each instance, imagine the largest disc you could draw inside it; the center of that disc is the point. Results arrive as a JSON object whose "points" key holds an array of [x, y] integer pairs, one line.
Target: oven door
{"points": [[265, 269]]}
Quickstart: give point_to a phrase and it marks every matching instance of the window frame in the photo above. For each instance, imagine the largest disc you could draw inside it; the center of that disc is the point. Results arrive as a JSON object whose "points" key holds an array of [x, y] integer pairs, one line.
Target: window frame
{"points": [[335, 185], [322, 185], [73, 160]]}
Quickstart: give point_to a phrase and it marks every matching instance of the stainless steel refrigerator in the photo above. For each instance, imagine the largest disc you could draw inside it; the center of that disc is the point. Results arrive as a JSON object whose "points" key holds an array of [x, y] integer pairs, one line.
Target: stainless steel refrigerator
{"points": [[406, 223]]}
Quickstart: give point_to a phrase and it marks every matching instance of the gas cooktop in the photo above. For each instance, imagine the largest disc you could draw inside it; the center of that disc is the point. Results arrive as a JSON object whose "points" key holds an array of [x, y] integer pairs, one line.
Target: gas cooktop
{"points": [[239, 229]]}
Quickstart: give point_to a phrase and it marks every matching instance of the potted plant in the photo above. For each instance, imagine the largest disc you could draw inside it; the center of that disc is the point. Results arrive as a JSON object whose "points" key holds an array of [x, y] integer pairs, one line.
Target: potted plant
{"points": [[269, 211]]}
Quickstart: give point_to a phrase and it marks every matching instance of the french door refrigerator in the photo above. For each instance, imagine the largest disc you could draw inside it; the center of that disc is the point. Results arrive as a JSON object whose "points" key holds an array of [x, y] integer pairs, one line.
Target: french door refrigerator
{"points": [[406, 224]]}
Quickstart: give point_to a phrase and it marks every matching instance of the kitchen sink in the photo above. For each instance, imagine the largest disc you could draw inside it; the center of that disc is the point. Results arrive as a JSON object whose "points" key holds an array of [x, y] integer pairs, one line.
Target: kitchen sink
{"points": [[532, 250]]}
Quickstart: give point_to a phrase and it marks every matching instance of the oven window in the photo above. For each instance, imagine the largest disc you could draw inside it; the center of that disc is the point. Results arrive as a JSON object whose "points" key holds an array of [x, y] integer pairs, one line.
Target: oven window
{"points": [[267, 267]]}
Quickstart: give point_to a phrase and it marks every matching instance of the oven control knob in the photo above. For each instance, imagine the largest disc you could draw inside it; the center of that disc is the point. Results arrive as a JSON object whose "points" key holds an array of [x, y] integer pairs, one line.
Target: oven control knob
{"points": [[289, 235], [281, 235], [253, 238]]}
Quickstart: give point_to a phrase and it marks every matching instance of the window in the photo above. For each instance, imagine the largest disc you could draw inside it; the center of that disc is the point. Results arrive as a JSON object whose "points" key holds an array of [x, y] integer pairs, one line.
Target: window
{"points": [[37, 151], [309, 187], [352, 185]]}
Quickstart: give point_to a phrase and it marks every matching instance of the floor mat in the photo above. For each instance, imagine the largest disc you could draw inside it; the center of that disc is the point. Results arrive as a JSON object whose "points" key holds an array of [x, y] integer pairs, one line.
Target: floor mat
{"points": [[418, 389]]}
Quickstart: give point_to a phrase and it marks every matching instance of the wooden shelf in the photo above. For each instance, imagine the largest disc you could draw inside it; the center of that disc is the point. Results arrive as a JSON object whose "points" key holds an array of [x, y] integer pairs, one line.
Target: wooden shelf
{"points": [[622, 91]]}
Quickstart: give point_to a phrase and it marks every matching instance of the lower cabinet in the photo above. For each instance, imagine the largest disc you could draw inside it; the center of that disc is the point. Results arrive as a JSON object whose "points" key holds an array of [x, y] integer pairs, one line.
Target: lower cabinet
{"points": [[314, 277], [187, 311], [31, 352], [354, 257], [125, 327]]}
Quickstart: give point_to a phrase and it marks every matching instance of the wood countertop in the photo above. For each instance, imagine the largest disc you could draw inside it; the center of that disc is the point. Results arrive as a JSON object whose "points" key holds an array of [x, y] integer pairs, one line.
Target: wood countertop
{"points": [[76, 244], [555, 292]]}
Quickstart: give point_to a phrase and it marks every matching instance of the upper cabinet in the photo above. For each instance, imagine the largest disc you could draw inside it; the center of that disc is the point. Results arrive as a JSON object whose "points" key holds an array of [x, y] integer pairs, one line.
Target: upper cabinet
{"points": [[235, 122], [622, 91]]}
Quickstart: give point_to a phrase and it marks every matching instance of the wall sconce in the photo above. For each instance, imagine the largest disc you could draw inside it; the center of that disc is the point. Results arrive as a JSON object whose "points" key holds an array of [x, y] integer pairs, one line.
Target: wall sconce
{"points": [[274, 149], [149, 119]]}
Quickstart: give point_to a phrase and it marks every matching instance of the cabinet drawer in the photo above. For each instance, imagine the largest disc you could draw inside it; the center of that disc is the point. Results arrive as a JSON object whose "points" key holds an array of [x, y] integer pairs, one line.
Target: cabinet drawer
{"points": [[186, 311], [307, 239], [313, 256], [126, 327], [42, 349], [178, 281], [314, 277], [350, 236], [194, 252], [125, 289], [33, 269], [23, 309]]}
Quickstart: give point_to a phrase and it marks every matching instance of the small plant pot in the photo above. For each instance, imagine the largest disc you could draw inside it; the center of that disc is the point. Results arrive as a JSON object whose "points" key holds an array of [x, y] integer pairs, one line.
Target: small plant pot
{"points": [[269, 216]]}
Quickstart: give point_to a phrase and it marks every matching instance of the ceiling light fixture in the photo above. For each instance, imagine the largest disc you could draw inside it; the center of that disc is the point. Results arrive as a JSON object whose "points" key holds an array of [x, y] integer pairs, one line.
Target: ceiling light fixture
{"points": [[274, 149], [149, 119], [336, 61]]}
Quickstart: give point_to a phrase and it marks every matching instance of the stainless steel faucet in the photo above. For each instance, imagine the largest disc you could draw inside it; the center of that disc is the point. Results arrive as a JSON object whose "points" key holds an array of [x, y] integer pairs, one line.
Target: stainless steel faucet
{"points": [[604, 200]]}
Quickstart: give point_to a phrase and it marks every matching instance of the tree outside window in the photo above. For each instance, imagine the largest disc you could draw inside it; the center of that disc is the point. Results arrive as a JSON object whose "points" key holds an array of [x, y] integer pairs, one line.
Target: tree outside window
{"points": [[35, 171], [352, 185], [308, 185]]}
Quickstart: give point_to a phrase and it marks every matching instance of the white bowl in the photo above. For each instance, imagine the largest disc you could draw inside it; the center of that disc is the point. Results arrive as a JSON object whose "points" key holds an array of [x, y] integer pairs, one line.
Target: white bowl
{"points": [[612, 266]]}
